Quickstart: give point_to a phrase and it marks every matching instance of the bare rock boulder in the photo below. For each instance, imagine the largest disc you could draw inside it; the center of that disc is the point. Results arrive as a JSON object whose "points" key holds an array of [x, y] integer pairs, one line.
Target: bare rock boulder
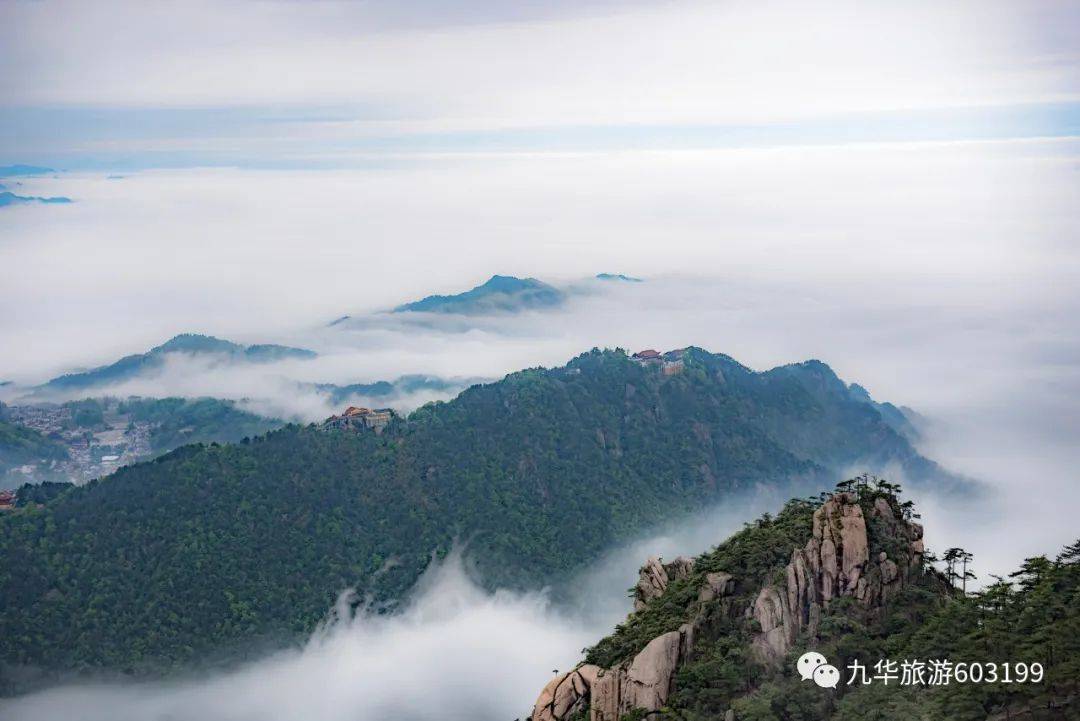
{"points": [[648, 680], [652, 582], [565, 695]]}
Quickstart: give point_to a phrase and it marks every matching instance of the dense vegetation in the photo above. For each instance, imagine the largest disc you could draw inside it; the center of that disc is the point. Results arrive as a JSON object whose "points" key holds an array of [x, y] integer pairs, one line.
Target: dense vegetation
{"points": [[41, 493], [214, 546], [1033, 616]]}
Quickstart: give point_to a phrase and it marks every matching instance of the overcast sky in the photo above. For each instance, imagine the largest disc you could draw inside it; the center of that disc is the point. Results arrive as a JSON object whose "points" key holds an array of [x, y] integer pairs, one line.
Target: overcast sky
{"points": [[334, 83]]}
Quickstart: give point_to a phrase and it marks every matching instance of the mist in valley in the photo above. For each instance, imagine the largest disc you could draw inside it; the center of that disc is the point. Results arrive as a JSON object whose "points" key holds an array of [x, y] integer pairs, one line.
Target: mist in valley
{"points": [[454, 651]]}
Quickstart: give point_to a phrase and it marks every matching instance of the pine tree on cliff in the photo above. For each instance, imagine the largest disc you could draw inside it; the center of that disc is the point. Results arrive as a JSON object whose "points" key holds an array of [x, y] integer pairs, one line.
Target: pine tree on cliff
{"points": [[1070, 554]]}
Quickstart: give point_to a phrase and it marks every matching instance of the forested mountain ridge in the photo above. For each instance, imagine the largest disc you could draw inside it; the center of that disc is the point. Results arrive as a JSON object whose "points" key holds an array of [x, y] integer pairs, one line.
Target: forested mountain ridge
{"points": [[211, 547]]}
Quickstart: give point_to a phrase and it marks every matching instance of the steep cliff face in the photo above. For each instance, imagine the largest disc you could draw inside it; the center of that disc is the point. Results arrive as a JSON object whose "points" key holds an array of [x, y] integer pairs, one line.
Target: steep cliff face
{"points": [[857, 546], [835, 562]]}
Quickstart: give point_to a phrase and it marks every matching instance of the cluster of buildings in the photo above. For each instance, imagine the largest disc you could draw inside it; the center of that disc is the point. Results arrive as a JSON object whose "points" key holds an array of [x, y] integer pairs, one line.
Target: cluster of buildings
{"points": [[7, 500], [92, 452], [670, 363], [356, 418]]}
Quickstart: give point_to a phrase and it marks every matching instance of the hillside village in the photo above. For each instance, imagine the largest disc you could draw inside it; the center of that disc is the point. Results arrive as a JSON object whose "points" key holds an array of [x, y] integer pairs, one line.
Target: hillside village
{"points": [[78, 441], [98, 437]]}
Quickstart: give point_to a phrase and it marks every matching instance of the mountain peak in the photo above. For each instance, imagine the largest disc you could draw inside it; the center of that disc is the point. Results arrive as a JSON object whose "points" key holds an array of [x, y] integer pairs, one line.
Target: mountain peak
{"points": [[852, 554], [133, 365], [499, 294], [196, 343]]}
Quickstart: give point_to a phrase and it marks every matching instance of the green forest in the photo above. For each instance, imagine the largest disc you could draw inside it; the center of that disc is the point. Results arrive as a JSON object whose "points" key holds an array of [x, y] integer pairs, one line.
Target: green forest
{"points": [[179, 421]]}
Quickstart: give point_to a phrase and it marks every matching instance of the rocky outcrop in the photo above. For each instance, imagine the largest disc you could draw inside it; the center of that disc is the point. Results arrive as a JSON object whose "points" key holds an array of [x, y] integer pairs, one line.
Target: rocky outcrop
{"points": [[716, 586], [655, 575], [835, 562], [565, 695], [644, 683]]}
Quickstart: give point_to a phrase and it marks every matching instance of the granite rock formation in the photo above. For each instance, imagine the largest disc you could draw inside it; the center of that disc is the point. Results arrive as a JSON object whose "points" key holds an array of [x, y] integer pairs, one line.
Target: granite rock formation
{"points": [[836, 561]]}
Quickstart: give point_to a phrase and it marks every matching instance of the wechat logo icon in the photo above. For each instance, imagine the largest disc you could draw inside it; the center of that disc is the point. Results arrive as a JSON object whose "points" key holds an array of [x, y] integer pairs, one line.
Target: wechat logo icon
{"points": [[813, 666]]}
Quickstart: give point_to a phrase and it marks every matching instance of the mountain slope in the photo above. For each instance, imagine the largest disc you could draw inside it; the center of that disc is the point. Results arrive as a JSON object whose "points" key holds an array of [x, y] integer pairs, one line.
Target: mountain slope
{"points": [[500, 294], [215, 546], [723, 636]]}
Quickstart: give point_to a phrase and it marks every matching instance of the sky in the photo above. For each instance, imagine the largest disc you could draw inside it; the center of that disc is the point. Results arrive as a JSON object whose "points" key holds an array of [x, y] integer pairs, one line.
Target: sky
{"points": [[891, 188], [336, 83]]}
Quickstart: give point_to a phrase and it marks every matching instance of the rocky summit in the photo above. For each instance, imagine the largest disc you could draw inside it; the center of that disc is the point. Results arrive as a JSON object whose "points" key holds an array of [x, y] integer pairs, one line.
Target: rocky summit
{"points": [[835, 562], [846, 575]]}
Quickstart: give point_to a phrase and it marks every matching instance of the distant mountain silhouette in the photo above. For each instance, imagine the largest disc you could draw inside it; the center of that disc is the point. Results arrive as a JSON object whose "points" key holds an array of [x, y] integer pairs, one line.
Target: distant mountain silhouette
{"points": [[500, 294], [7, 171], [8, 198], [132, 366]]}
